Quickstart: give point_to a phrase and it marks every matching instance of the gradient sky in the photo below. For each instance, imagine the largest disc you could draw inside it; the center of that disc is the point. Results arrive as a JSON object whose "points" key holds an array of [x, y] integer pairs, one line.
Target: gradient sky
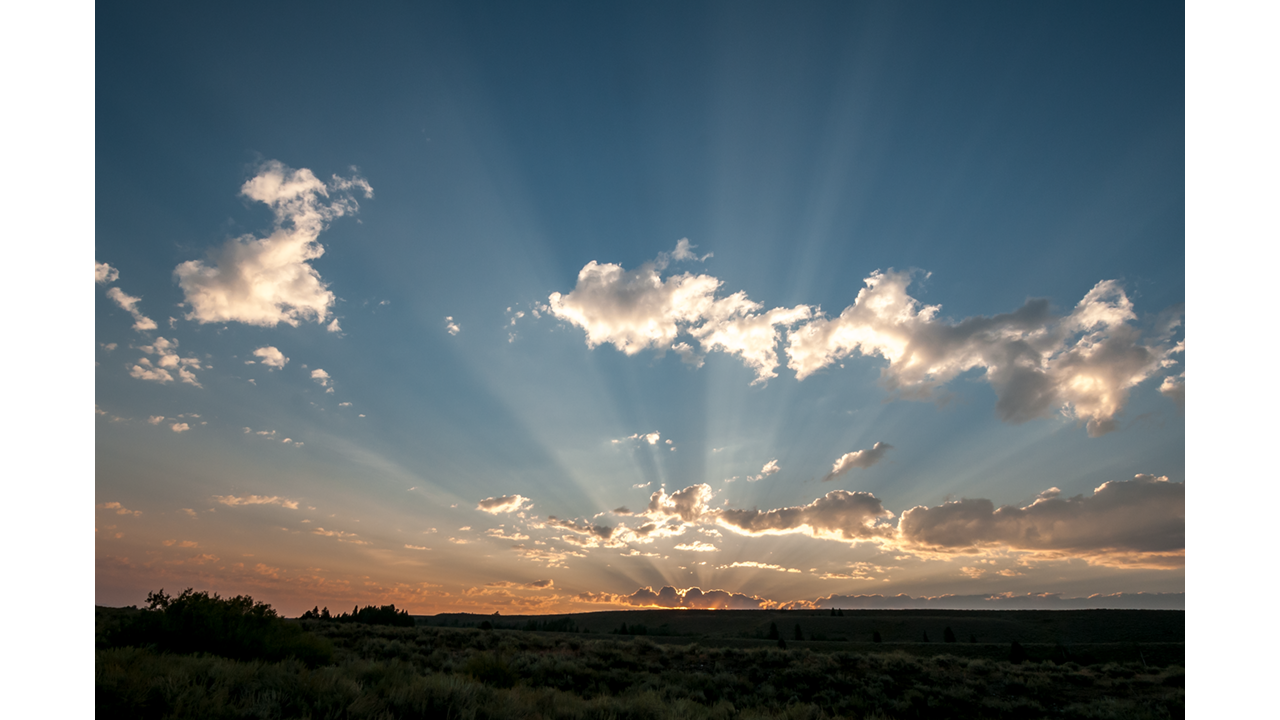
{"points": [[524, 308]]}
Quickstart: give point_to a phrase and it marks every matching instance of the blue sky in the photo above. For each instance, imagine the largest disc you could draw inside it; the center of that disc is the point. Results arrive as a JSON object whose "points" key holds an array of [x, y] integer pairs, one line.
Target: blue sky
{"points": [[465, 164]]}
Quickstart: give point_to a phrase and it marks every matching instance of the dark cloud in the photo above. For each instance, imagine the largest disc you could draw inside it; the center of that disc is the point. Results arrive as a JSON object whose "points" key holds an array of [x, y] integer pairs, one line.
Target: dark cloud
{"points": [[1029, 601], [1143, 516], [695, 598], [581, 527], [839, 515]]}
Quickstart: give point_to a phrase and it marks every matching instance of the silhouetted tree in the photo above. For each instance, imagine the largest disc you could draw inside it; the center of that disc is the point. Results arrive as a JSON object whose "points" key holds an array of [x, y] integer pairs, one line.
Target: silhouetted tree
{"points": [[1016, 654], [773, 631], [926, 636], [782, 644], [486, 625], [799, 635], [324, 614], [840, 612], [875, 637], [973, 638], [947, 635], [833, 612]]}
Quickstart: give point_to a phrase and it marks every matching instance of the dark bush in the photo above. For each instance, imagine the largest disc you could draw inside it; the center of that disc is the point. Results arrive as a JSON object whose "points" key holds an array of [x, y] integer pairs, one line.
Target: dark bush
{"points": [[237, 628], [1017, 655]]}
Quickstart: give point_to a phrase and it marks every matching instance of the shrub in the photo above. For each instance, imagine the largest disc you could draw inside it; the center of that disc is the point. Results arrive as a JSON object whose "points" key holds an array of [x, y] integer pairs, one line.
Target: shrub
{"points": [[237, 628]]}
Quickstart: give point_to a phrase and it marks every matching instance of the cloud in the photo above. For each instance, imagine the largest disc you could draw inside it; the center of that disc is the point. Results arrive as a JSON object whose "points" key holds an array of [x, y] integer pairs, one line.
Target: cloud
{"points": [[550, 558], [689, 504], [130, 305], [839, 515], [323, 378], [266, 281], [167, 361], [769, 468], [271, 357], [155, 419], [581, 527], [450, 326], [1082, 364], [694, 598], [857, 459], [120, 509], [1135, 523], [502, 504], [1028, 601], [533, 585], [637, 310], [698, 546], [180, 427], [104, 273], [651, 438], [752, 564], [234, 501]]}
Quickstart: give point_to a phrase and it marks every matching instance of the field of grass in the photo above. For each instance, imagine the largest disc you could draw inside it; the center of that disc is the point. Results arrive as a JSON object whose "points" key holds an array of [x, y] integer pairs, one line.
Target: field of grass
{"points": [[437, 671]]}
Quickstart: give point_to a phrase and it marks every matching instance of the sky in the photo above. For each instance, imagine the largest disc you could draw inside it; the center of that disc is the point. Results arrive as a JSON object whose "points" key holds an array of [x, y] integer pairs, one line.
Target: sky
{"points": [[538, 308]]}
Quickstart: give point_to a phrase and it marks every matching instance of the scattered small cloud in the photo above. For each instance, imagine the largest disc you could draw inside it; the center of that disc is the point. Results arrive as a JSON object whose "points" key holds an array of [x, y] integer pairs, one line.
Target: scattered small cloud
{"points": [[180, 427], [769, 468], [155, 419], [234, 501], [857, 459], [167, 361], [271, 357], [104, 273], [120, 509], [698, 546], [752, 564], [129, 304], [502, 504]]}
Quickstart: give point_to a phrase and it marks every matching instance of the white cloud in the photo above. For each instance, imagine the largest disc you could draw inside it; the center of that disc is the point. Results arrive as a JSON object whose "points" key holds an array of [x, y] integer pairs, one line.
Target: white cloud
{"points": [[769, 468], [322, 377], [857, 459], [104, 273], [180, 427], [167, 362], [120, 509], [502, 504], [1082, 364], [638, 310], [698, 546], [450, 326], [155, 419], [344, 404], [334, 327], [752, 564], [266, 281], [234, 501], [271, 357], [130, 305]]}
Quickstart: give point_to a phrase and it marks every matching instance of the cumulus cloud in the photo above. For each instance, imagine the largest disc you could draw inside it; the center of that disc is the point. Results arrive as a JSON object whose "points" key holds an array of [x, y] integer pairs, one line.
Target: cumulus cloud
{"points": [[581, 527], [272, 357], [323, 378], [698, 546], [694, 598], [1082, 365], [651, 438], [120, 509], [269, 280], [502, 504], [1028, 601], [857, 459], [769, 468], [1140, 522], [104, 273], [689, 504], [155, 419], [450, 326], [130, 305], [167, 362], [753, 565], [234, 501], [839, 515], [180, 427], [638, 310]]}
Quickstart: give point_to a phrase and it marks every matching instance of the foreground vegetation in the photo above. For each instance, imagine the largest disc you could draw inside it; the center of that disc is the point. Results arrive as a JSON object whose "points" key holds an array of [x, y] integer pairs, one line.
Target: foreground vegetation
{"points": [[444, 672]]}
